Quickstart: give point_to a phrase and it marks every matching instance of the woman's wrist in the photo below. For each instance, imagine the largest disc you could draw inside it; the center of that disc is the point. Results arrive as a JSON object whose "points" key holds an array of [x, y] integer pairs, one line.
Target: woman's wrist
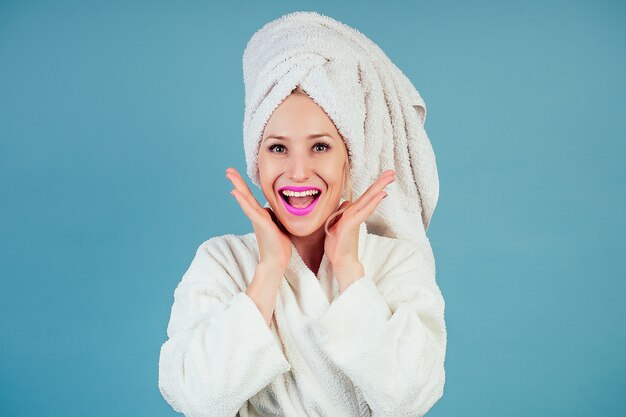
{"points": [[264, 288], [271, 269], [347, 274]]}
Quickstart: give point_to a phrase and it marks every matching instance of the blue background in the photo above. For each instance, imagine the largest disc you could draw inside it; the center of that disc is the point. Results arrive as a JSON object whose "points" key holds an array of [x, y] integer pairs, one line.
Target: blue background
{"points": [[118, 119]]}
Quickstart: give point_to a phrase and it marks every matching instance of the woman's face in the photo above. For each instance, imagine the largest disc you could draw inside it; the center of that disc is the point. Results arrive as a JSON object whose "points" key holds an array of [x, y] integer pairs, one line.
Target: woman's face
{"points": [[291, 156]]}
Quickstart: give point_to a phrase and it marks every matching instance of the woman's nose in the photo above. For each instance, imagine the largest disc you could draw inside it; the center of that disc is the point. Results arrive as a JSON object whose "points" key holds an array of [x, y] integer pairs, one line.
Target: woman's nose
{"points": [[299, 168]]}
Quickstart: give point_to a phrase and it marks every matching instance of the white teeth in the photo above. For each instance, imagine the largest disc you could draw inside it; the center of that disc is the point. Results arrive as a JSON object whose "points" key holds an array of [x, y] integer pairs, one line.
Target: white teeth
{"points": [[299, 193]]}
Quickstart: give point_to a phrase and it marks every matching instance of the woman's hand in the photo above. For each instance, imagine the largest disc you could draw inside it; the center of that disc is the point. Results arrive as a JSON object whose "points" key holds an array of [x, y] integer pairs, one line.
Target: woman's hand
{"points": [[274, 243], [341, 244]]}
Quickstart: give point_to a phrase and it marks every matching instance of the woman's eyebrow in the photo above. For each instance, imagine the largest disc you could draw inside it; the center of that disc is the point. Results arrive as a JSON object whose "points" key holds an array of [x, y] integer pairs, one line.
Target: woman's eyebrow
{"points": [[313, 136]]}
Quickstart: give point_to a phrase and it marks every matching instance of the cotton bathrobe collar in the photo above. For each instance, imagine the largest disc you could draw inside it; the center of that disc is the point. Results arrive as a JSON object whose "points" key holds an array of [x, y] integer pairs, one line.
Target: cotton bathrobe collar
{"points": [[321, 289]]}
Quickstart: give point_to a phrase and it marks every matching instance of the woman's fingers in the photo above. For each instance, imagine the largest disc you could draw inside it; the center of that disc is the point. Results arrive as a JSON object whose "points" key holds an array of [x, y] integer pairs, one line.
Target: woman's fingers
{"points": [[275, 219], [242, 188], [245, 206], [370, 206], [374, 191], [242, 193]]}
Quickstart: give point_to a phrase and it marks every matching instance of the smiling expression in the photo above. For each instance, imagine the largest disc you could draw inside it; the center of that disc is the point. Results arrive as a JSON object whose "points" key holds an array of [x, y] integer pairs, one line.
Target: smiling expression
{"points": [[301, 149]]}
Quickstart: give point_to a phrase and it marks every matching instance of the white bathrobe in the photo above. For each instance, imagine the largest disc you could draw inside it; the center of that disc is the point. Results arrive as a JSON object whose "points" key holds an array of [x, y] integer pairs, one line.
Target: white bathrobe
{"points": [[377, 349]]}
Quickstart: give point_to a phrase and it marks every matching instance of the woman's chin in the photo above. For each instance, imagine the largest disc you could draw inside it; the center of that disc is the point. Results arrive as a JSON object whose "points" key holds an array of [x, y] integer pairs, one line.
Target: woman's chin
{"points": [[305, 228], [300, 229]]}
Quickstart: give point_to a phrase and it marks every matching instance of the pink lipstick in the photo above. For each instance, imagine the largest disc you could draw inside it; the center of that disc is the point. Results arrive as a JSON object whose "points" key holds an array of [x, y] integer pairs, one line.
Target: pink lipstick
{"points": [[299, 211]]}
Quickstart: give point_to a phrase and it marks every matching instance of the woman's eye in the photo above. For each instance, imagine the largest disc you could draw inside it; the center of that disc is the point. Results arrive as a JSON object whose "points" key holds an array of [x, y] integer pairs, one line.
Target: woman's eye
{"points": [[320, 147], [272, 147], [324, 146]]}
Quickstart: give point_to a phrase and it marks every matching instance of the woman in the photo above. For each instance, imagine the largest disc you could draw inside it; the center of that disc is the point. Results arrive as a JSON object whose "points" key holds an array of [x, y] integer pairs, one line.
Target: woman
{"points": [[311, 314]]}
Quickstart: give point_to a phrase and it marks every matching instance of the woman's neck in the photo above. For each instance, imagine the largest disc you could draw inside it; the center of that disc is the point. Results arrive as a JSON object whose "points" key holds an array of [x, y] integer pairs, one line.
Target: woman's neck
{"points": [[311, 248]]}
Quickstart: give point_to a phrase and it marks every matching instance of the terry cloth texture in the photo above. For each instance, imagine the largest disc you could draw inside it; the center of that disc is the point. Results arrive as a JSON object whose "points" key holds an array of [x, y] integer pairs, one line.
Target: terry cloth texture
{"points": [[377, 349], [374, 106]]}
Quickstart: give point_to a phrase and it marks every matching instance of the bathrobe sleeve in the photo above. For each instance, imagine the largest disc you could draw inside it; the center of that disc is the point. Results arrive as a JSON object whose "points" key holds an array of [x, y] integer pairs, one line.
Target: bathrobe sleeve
{"points": [[388, 335], [220, 351]]}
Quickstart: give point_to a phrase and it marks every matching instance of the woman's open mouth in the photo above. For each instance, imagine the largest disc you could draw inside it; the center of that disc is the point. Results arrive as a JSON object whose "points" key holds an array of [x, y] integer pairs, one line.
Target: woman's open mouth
{"points": [[300, 203]]}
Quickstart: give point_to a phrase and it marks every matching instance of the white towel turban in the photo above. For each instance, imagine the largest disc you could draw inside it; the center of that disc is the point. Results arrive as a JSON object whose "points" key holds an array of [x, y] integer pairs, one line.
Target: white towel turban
{"points": [[373, 105]]}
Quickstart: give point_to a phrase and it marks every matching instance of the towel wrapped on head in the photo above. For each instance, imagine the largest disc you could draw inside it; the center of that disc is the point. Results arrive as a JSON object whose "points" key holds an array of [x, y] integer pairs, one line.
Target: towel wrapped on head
{"points": [[374, 106]]}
